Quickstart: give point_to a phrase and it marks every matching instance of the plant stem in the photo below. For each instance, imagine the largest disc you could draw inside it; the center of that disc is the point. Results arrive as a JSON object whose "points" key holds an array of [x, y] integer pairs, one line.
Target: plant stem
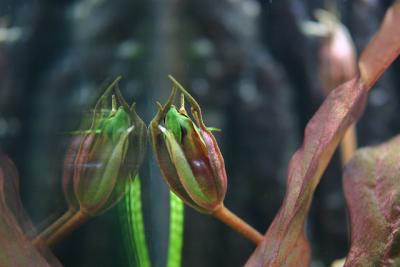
{"points": [[348, 145], [46, 233], [237, 224], [131, 219], [70, 225], [176, 228]]}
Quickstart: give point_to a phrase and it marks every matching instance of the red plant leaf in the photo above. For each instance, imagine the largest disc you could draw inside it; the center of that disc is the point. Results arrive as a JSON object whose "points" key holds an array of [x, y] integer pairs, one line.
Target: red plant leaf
{"points": [[322, 135], [284, 243], [383, 49], [16, 249], [372, 191]]}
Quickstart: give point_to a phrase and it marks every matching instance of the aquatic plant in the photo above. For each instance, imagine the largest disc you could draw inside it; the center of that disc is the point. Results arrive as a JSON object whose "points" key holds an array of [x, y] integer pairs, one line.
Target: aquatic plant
{"points": [[102, 164], [285, 243]]}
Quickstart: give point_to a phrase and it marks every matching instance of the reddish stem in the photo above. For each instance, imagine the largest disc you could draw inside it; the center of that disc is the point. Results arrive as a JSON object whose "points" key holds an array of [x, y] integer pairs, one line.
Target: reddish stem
{"points": [[237, 224], [53, 227], [73, 223]]}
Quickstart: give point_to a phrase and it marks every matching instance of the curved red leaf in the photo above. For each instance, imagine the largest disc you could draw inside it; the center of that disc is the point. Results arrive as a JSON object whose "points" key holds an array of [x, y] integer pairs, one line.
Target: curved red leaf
{"points": [[285, 236]]}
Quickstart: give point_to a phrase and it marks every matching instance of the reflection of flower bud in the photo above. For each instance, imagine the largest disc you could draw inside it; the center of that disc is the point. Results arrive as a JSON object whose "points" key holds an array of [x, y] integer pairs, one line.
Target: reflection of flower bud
{"points": [[102, 160], [188, 155]]}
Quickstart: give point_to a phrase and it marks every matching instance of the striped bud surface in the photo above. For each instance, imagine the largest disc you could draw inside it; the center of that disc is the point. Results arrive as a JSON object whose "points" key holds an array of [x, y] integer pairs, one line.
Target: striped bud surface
{"points": [[102, 160], [188, 155]]}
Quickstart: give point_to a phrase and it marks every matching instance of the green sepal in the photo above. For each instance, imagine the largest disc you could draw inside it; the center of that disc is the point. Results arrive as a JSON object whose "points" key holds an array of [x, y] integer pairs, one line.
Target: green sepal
{"points": [[184, 171]]}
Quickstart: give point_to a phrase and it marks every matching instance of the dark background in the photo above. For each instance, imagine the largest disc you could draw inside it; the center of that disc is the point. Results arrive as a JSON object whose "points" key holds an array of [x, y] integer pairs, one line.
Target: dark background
{"points": [[248, 64]]}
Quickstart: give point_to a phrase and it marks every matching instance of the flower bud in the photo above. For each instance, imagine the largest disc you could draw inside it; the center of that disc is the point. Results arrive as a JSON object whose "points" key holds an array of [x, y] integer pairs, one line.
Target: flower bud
{"points": [[188, 154], [101, 161]]}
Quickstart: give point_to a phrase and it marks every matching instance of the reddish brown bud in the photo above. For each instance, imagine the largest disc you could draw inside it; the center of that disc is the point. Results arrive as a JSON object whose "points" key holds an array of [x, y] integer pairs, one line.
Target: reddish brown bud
{"points": [[188, 154]]}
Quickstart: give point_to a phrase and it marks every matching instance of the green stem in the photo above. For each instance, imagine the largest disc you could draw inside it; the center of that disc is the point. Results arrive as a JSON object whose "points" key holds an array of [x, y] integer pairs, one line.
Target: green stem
{"points": [[133, 226], [176, 226]]}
